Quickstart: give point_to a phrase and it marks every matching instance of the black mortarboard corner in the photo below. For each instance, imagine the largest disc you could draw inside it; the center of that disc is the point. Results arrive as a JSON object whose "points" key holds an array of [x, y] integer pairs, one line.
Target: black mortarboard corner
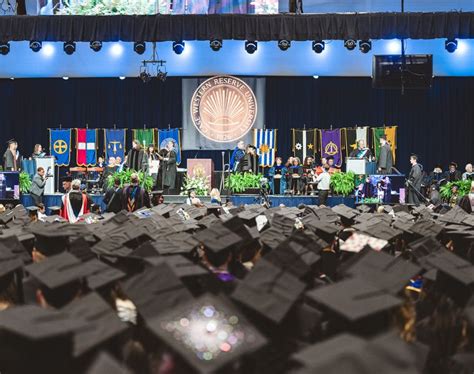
{"points": [[208, 333], [355, 305], [50, 239], [104, 363]]}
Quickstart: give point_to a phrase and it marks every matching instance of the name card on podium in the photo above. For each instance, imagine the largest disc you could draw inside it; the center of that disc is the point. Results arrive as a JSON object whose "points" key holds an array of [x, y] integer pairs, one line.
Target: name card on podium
{"points": [[201, 167]]}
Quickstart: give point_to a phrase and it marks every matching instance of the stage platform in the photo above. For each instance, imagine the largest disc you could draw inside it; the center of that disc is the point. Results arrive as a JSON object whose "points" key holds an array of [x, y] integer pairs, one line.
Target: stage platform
{"points": [[276, 200]]}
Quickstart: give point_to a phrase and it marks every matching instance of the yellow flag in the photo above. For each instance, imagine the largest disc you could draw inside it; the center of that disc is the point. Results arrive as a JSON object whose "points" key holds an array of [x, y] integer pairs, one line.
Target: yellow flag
{"points": [[391, 134]]}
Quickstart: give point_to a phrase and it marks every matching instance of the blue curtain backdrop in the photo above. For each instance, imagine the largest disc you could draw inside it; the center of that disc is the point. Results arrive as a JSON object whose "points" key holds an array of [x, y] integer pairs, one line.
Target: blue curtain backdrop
{"points": [[437, 124]]}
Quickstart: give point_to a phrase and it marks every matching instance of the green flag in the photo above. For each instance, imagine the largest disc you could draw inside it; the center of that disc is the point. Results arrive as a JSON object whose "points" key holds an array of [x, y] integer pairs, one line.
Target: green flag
{"points": [[145, 136], [378, 132]]}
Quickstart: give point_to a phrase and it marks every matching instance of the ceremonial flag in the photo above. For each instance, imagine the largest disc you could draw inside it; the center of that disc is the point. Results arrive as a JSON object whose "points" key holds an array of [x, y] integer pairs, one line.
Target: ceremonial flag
{"points": [[60, 146], [164, 136], [86, 147], [304, 143], [114, 143], [331, 145], [265, 142], [391, 133], [145, 136], [354, 135]]}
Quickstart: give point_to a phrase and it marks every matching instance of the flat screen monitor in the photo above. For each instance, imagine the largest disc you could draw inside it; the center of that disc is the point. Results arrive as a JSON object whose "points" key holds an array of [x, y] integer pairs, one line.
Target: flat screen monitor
{"points": [[9, 185]]}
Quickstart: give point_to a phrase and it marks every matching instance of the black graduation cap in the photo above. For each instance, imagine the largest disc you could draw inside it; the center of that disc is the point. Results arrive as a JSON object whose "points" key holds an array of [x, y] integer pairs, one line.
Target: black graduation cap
{"points": [[43, 336], [99, 274], [101, 323], [50, 238], [424, 227], [345, 212], [218, 238], [13, 245], [104, 363], [6, 217], [156, 290], [32, 209], [383, 231], [272, 237], [364, 208], [383, 271], [208, 333], [355, 300], [214, 209], [9, 262], [424, 246], [269, 290]]}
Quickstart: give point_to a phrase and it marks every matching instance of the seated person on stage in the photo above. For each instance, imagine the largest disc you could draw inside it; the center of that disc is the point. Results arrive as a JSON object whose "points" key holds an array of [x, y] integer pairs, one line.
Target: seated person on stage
{"points": [[215, 196], [295, 172], [113, 197], [437, 174], [237, 155], [110, 169], [361, 151], [332, 168], [38, 151], [468, 175], [134, 196], [193, 199], [249, 163], [277, 174], [74, 203], [119, 164], [308, 174], [452, 174]]}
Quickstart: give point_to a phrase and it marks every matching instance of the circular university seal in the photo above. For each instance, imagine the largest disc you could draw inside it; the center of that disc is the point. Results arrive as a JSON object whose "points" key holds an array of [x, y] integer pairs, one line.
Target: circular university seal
{"points": [[223, 108]]}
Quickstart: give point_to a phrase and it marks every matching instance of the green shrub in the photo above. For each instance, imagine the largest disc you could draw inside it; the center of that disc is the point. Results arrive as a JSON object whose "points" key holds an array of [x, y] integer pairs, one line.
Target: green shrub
{"points": [[146, 181], [239, 182], [343, 183]]}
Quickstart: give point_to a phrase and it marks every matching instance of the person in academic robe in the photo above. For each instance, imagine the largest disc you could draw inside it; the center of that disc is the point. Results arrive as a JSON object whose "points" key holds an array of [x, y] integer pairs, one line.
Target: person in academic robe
{"points": [[113, 197], [135, 197], [453, 175], [361, 151], [229, 6], [237, 155], [38, 151], [74, 203], [414, 181], [168, 167], [468, 174], [436, 175], [277, 174], [249, 163], [308, 174], [295, 173], [137, 159], [11, 157], [385, 161]]}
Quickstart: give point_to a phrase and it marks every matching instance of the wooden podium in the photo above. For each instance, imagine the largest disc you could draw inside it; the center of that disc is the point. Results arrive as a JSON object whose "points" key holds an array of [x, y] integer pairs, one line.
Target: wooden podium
{"points": [[201, 167]]}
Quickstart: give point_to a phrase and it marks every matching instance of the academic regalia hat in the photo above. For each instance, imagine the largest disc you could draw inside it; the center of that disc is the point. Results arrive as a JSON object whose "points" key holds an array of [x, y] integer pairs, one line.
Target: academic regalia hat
{"points": [[105, 363]]}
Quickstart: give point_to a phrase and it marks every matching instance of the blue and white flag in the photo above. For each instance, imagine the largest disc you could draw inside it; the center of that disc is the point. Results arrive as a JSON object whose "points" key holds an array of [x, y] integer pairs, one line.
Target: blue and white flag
{"points": [[114, 143], [265, 142], [60, 146], [164, 136]]}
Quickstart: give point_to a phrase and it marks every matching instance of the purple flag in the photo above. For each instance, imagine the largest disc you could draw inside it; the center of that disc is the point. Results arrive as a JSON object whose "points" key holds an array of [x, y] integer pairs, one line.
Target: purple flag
{"points": [[331, 145]]}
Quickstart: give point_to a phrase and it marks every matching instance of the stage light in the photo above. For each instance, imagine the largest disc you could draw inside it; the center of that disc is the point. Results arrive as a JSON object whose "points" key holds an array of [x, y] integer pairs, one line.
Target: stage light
{"points": [[251, 46], [95, 45], [451, 45], [12, 78], [215, 44], [161, 75], [318, 46], [65, 78], [139, 47], [394, 46], [4, 48], [36, 46], [116, 50], [350, 44], [121, 78], [316, 76], [145, 76], [178, 46], [284, 44], [69, 48], [365, 46]]}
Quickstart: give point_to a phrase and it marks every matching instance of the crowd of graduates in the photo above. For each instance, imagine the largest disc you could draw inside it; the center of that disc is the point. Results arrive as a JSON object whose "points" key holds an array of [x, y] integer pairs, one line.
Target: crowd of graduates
{"points": [[182, 289]]}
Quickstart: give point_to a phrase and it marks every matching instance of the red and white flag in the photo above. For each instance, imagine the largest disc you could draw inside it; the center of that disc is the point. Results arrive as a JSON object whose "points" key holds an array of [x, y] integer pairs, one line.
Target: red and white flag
{"points": [[86, 145]]}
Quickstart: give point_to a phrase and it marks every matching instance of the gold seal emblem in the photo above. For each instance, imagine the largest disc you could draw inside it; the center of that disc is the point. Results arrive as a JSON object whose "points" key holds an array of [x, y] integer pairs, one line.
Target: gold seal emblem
{"points": [[223, 108], [331, 149]]}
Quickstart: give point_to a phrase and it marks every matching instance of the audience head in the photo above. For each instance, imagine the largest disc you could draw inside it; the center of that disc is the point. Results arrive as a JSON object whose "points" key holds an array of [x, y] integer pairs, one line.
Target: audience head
{"points": [[330, 161], [76, 184], [469, 168], [136, 144], [12, 145], [413, 159], [361, 143], [452, 167], [117, 182], [134, 179], [438, 169], [215, 193], [41, 207], [38, 148], [40, 171], [111, 161], [278, 161], [296, 161], [118, 160], [67, 181]]}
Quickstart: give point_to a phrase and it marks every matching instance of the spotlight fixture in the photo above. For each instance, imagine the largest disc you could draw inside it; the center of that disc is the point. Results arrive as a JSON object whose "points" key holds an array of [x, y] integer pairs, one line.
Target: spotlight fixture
{"points": [[4, 48], [451, 45], [284, 44], [69, 48], [95, 45], [215, 44], [148, 66], [178, 47], [318, 46], [36, 46], [251, 46], [139, 47], [365, 46], [350, 44], [145, 76], [161, 75]]}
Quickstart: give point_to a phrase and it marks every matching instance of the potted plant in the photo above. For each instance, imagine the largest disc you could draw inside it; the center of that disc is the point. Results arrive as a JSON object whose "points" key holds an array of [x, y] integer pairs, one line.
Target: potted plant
{"points": [[464, 187], [240, 183], [200, 184], [25, 182], [146, 181], [343, 184]]}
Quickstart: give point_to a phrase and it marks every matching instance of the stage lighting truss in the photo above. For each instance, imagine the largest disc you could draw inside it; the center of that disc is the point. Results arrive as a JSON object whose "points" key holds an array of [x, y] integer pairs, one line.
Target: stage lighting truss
{"points": [[69, 48], [215, 44], [284, 44], [153, 67], [36, 45], [251, 46], [365, 46], [318, 46], [350, 44], [451, 45], [95, 45]]}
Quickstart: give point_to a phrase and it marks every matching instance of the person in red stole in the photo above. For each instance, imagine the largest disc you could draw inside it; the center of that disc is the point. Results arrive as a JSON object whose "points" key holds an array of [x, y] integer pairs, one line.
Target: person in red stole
{"points": [[74, 203]]}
